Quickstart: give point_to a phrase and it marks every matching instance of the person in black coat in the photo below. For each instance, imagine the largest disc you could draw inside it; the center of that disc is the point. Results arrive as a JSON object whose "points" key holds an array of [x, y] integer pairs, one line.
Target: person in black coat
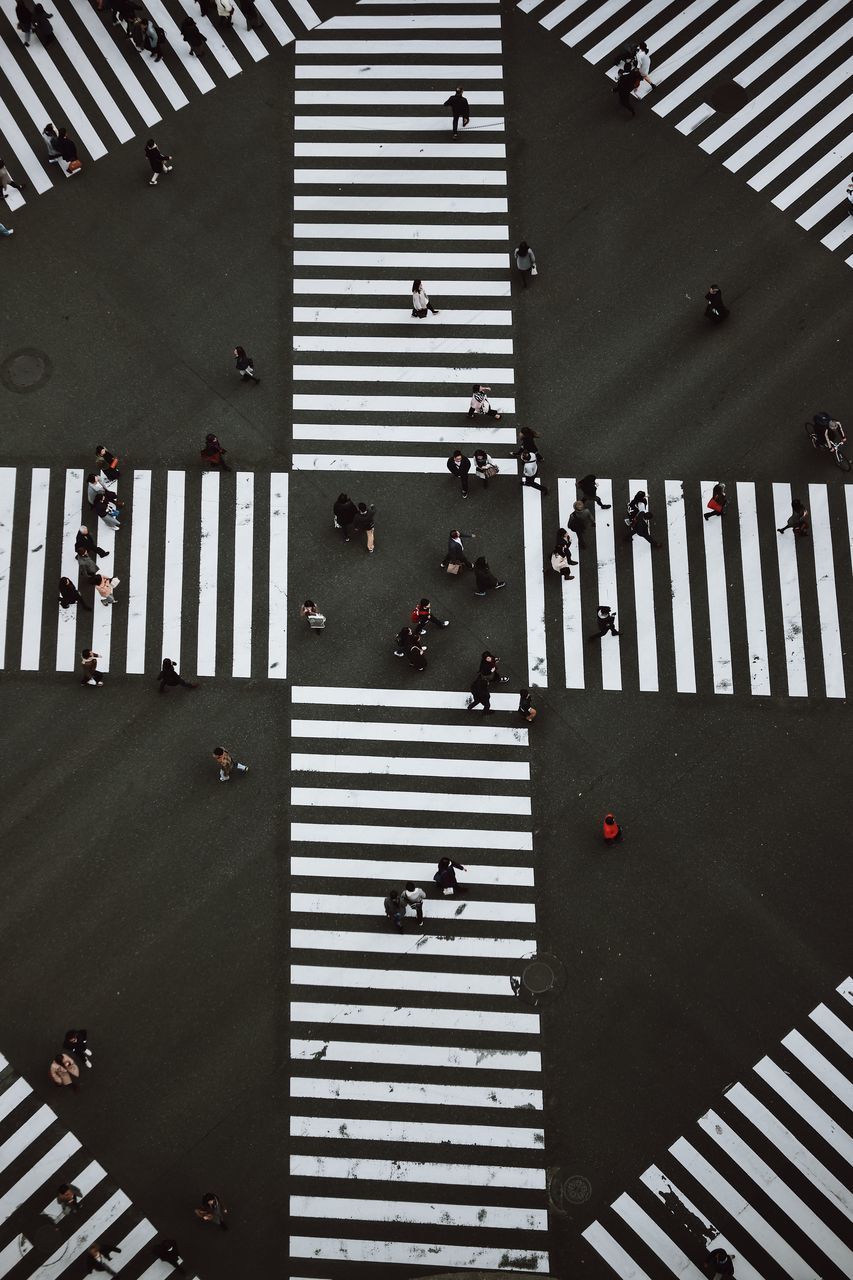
{"points": [[716, 309], [42, 27], [76, 1043], [169, 676], [485, 579], [489, 668], [458, 104], [67, 146], [194, 38], [456, 549], [24, 19], [458, 465], [588, 492], [480, 693], [344, 512], [445, 876], [68, 595], [85, 544]]}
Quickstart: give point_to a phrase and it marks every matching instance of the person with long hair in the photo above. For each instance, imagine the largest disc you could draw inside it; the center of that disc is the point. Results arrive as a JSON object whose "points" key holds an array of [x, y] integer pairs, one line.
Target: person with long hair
{"points": [[420, 301]]}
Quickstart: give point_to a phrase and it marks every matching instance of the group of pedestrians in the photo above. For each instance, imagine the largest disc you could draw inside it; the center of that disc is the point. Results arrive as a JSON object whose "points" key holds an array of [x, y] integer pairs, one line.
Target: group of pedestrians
{"points": [[355, 517], [484, 466], [399, 902]]}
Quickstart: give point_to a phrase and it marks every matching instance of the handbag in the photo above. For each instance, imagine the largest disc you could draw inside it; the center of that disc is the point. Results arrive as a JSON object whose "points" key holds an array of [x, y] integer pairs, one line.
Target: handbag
{"points": [[453, 566], [533, 270], [715, 505], [490, 470], [74, 166]]}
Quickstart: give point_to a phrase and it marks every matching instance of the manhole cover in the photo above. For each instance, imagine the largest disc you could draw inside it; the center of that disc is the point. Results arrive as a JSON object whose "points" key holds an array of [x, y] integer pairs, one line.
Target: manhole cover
{"points": [[538, 977], [728, 97], [577, 1189], [25, 370]]}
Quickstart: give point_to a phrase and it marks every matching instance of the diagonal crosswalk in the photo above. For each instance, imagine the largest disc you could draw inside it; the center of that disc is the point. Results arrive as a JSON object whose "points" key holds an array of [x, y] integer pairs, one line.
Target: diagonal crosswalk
{"points": [[37, 1154], [763, 87], [416, 1103], [95, 81], [766, 1176]]}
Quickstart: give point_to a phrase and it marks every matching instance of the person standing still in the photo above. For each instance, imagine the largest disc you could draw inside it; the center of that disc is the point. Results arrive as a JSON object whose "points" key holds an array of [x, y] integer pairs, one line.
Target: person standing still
{"points": [[420, 301], [227, 763], [395, 909], [580, 522], [525, 260], [459, 107], [24, 19], [458, 465], [606, 619], [245, 365], [364, 523], [159, 163], [414, 898]]}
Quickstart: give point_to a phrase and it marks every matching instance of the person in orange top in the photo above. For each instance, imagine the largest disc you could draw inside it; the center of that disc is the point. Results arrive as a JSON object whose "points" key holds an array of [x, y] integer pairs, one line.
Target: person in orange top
{"points": [[64, 1071], [611, 829]]}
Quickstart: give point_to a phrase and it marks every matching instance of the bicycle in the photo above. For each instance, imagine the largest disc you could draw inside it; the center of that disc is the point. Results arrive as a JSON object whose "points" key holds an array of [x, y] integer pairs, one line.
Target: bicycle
{"points": [[818, 440]]}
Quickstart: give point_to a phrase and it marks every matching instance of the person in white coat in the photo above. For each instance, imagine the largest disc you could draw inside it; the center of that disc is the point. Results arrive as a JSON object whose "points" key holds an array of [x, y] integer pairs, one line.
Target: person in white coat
{"points": [[225, 12], [420, 301]]}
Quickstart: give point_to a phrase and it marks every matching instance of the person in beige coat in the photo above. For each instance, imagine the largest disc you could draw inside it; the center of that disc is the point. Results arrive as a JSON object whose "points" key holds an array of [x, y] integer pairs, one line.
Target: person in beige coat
{"points": [[105, 587]]}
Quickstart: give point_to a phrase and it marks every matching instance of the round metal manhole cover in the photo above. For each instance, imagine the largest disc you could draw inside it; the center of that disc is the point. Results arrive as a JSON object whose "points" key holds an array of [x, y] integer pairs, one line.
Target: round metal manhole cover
{"points": [[728, 97], [25, 370], [577, 1189], [538, 977]]}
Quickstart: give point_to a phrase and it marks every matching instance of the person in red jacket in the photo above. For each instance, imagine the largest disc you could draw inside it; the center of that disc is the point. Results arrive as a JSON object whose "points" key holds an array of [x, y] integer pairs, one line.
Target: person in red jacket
{"points": [[610, 829]]}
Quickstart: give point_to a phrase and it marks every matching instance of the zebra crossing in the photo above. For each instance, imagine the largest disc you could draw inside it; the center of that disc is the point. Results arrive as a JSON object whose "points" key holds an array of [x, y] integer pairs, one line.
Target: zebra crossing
{"points": [[428, 1018], [94, 80], [763, 87], [724, 606], [37, 1154], [766, 1175], [202, 563], [363, 234]]}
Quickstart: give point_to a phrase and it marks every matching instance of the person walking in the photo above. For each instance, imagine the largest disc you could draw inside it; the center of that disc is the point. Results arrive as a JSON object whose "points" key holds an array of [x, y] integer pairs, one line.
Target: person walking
{"points": [[606, 620], [51, 139], [212, 1209], [403, 642], [64, 1072], [485, 467], [420, 301], [364, 523], [225, 14], [580, 522], [107, 507], [68, 595], [395, 909], [639, 519], [456, 551], [610, 829], [68, 151], [315, 619], [526, 708], [155, 39], [76, 1043], [718, 1265], [422, 614], [24, 20], [195, 40], [560, 562], [95, 485], [105, 586], [109, 463], [251, 15], [169, 1252], [717, 502], [484, 579], [245, 365], [588, 492], [214, 453], [480, 402], [68, 1198], [459, 466], [529, 472], [86, 547], [159, 163], [227, 764], [6, 181], [41, 25], [98, 1258], [414, 898], [627, 81], [798, 520], [525, 260], [643, 63], [445, 876], [480, 694], [138, 33], [416, 653], [564, 542], [344, 512], [716, 309], [170, 678], [489, 668], [89, 662], [527, 438], [849, 185], [459, 109]]}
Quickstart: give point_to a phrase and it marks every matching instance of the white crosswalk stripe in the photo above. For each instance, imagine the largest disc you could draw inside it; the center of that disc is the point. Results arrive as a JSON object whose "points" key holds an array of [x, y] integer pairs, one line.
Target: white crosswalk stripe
{"points": [[749, 1180], [725, 605], [37, 1155], [789, 137], [94, 80], [459, 973]]}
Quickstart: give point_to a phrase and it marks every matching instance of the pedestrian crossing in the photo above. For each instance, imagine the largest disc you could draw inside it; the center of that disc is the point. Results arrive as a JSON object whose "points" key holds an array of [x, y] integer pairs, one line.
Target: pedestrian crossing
{"points": [[379, 1173], [723, 606], [202, 563], [95, 81], [363, 232], [37, 1154], [765, 1176], [762, 87]]}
